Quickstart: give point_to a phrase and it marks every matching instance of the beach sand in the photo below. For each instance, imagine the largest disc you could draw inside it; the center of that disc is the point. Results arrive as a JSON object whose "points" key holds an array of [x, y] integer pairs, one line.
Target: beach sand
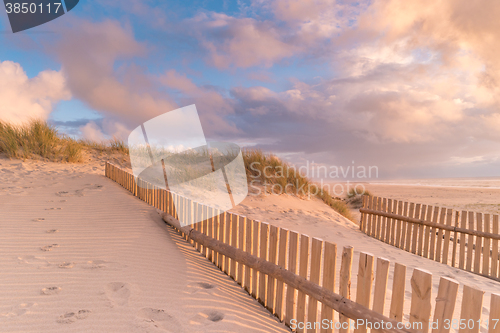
{"points": [[478, 199], [78, 253]]}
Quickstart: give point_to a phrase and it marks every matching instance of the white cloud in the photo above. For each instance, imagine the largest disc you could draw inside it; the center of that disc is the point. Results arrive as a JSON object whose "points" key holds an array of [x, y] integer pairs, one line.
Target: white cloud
{"points": [[22, 98]]}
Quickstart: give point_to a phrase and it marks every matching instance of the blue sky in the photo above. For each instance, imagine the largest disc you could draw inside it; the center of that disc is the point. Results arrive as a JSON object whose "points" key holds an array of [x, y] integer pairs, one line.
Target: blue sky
{"points": [[324, 81]]}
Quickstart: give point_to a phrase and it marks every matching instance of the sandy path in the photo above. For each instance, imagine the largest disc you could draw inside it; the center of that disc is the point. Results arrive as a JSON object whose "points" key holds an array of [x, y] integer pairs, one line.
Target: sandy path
{"points": [[80, 254], [315, 219]]}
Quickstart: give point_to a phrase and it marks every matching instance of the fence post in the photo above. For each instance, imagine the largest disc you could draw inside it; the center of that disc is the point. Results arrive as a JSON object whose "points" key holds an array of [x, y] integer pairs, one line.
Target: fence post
{"points": [[316, 253], [479, 244], [445, 304], [264, 232], [364, 284], [470, 243], [272, 257], [283, 238], [345, 283], [329, 267], [446, 245], [398, 292], [472, 305], [293, 248], [381, 278], [455, 241], [421, 290], [487, 246], [255, 252], [494, 324], [303, 268], [494, 246], [415, 229]]}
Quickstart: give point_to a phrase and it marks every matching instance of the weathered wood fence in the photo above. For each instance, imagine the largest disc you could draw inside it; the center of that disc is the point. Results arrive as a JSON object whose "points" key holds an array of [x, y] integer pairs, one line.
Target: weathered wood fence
{"points": [[465, 240], [316, 261]]}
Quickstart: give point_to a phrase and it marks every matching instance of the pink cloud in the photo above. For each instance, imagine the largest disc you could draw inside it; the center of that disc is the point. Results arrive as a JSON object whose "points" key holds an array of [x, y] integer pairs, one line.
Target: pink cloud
{"points": [[23, 98]]}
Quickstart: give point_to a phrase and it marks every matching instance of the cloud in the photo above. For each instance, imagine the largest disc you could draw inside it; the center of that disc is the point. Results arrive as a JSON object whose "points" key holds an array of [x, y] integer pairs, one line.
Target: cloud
{"points": [[23, 98], [91, 131], [90, 52]]}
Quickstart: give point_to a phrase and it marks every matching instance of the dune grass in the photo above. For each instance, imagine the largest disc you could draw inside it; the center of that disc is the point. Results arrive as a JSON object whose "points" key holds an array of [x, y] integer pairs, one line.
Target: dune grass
{"points": [[284, 178], [38, 139]]}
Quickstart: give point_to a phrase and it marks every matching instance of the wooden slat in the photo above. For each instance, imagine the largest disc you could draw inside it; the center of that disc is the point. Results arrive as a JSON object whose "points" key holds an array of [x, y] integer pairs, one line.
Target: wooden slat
{"points": [[472, 305], [415, 229], [486, 246], [370, 217], [427, 233], [445, 304], [272, 257], [248, 248], [226, 226], [241, 246], [383, 221], [393, 206], [463, 224], [379, 218], [204, 224], [420, 308], [494, 247], [303, 268], [470, 243], [439, 240], [264, 234], [399, 226], [233, 242], [409, 227], [215, 233], [381, 278], [291, 293], [446, 241], [345, 284], [362, 224], [210, 231], [375, 201], [364, 284], [398, 292], [420, 245], [455, 241], [478, 244], [282, 250], [329, 266], [219, 234], [255, 252], [316, 254], [494, 320], [435, 219]]}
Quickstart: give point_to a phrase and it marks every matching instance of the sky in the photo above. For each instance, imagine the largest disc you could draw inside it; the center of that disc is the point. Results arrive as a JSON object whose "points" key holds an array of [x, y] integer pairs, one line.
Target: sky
{"points": [[411, 87]]}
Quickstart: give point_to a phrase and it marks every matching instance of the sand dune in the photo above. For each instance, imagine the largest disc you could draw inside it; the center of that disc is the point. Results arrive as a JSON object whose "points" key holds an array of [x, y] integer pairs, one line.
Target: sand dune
{"points": [[80, 254]]}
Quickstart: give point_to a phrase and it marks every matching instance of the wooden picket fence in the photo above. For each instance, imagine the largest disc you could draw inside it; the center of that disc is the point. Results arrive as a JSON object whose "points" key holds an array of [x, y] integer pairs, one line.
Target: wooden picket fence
{"points": [[465, 240], [316, 260]]}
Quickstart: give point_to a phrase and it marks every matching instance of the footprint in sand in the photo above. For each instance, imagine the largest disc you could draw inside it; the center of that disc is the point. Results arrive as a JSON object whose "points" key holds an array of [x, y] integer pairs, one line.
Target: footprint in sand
{"points": [[202, 287], [49, 247], [51, 290], [32, 260], [211, 315], [94, 264], [52, 231], [118, 293], [17, 310], [66, 265], [160, 318], [71, 317]]}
